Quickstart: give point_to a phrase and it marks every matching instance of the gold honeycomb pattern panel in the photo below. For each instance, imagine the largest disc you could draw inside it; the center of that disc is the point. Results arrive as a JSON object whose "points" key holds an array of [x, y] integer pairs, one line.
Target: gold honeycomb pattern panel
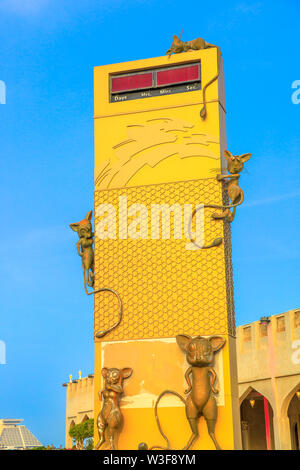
{"points": [[165, 289]]}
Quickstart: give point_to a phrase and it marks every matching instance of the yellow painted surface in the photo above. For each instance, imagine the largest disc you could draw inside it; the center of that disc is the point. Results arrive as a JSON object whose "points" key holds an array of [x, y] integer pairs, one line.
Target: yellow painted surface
{"points": [[154, 151], [156, 147], [158, 139], [160, 281], [159, 364]]}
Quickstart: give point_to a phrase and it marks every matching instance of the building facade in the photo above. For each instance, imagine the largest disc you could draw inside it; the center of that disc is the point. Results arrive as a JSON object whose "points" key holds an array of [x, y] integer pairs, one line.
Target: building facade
{"points": [[16, 436], [268, 356], [80, 403]]}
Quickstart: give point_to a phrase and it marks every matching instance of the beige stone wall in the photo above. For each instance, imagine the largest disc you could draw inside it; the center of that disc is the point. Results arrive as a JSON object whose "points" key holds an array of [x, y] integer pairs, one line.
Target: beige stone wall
{"points": [[80, 403], [269, 362]]}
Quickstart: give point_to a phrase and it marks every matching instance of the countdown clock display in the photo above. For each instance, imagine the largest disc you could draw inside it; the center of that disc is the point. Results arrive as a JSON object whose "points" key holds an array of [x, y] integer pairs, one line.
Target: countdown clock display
{"points": [[155, 82]]}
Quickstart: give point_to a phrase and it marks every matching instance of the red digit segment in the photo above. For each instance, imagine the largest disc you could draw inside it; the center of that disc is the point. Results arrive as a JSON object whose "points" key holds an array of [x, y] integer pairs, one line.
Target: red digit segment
{"points": [[132, 82], [178, 75]]}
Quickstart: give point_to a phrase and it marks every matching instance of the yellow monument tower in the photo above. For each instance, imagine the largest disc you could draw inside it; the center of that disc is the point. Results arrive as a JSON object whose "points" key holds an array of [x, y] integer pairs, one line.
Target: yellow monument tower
{"points": [[163, 256]]}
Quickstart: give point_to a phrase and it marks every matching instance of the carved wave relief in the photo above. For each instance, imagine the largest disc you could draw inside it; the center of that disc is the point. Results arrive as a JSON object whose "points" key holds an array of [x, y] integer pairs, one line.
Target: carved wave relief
{"points": [[149, 144]]}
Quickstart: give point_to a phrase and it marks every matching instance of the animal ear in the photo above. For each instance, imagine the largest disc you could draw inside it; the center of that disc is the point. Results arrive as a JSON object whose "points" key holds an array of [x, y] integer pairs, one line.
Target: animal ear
{"points": [[126, 372], [183, 341], [245, 157], [217, 342], [227, 154], [89, 215], [104, 372], [74, 227]]}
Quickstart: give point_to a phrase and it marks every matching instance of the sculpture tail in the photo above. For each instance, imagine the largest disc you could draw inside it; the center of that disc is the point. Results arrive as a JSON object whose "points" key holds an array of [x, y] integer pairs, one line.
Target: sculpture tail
{"points": [[165, 392], [190, 441], [101, 333], [229, 206], [203, 111], [216, 242]]}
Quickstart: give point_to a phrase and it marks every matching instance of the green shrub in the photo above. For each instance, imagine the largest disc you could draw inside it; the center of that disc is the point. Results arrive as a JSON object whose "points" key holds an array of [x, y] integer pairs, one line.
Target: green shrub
{"points": [[82, 431]]}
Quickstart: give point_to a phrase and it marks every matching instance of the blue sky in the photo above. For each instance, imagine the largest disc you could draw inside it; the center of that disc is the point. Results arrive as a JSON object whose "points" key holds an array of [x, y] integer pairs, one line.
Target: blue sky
{"points": [[48, 49]]}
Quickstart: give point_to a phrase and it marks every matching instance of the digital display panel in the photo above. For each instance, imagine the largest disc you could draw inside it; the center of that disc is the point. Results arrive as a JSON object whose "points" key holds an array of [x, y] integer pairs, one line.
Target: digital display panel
{"points": [[156, 82]]}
